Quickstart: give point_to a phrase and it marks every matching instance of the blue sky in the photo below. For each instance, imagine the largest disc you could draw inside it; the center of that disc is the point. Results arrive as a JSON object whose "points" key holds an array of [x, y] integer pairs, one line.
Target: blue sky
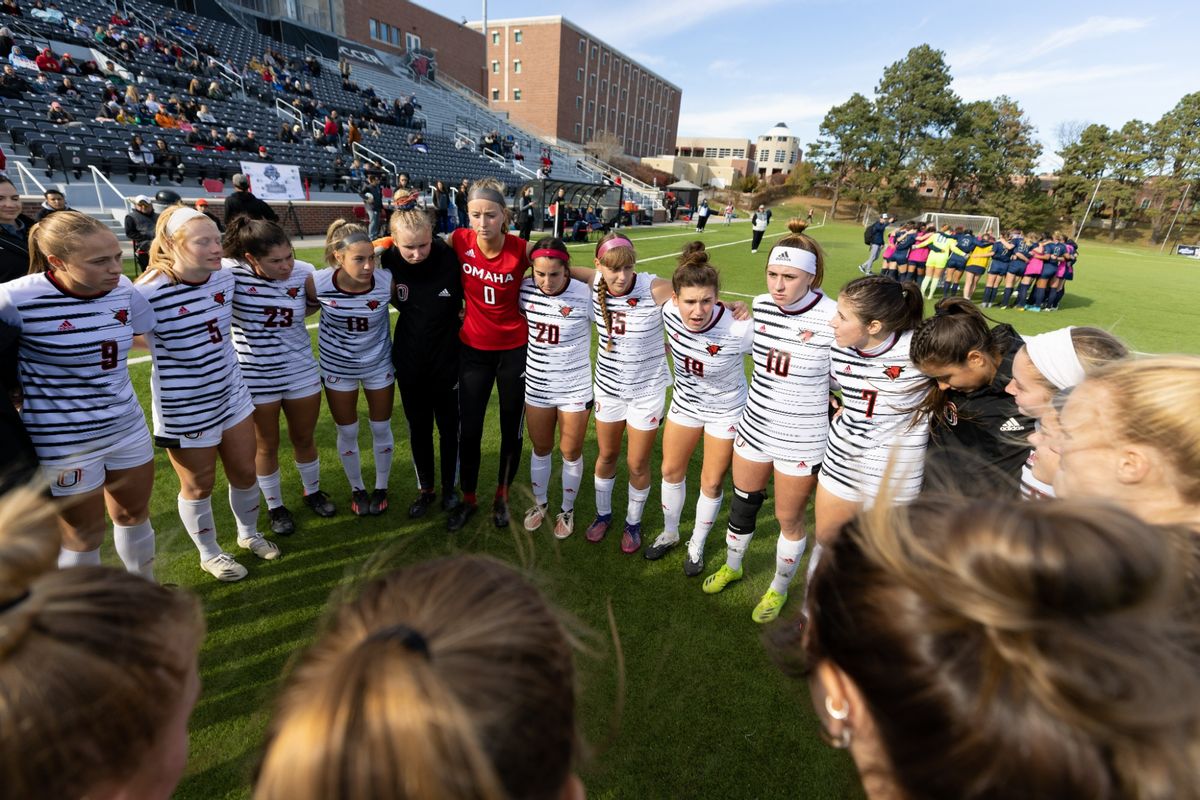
{"points": [[745, 64]]}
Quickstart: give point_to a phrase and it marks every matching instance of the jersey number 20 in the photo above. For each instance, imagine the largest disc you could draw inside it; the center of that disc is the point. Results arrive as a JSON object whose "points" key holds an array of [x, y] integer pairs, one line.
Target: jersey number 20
{"points": [[546, 333]]}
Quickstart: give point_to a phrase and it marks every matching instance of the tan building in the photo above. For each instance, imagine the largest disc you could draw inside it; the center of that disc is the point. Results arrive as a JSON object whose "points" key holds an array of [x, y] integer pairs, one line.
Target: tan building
{"points": [[778, 151], [554, 77], [707, 160]]}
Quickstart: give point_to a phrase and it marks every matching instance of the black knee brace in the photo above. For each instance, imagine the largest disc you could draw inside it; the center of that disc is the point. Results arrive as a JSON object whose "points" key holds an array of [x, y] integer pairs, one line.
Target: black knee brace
{"points": [[743, 510]]}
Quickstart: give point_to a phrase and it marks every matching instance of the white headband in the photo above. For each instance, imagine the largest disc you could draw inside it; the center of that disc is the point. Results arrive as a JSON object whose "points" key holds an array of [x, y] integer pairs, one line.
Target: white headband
{"points": [[182, 217], [1054, 356], [793, 257]]}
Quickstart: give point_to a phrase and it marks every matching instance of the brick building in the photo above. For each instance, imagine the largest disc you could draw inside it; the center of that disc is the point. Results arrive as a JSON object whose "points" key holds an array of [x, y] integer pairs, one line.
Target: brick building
{"points": [[398, 25], [557, 79], [707, 160]]}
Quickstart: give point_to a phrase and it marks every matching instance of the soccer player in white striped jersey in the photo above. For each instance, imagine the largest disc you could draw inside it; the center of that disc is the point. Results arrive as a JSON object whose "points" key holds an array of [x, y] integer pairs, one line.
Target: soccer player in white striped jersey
{"points": [[782, 433], [558, 377], [76, 316], [879, 435], [708, 347], [355, 347], [276, 357], [201, 406]]}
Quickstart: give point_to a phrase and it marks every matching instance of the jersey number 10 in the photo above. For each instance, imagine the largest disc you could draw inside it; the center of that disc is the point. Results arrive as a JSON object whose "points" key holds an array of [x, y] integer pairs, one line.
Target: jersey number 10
{"points": [[779, 362]]}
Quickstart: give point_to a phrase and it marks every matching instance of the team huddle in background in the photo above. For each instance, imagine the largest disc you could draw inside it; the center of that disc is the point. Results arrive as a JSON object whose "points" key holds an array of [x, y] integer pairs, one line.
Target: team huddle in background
{"points": [[879, 415]]}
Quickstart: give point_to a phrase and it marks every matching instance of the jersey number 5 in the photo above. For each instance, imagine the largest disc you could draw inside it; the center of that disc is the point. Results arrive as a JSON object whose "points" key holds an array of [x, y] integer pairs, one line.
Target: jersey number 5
{"points": [[546, 333], [618, 323], [214, 331]]}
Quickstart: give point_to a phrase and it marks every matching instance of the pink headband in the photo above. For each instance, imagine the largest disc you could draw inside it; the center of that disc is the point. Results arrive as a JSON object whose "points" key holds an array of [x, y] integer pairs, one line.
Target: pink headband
{"points": [[611, 244], [548, 252]]}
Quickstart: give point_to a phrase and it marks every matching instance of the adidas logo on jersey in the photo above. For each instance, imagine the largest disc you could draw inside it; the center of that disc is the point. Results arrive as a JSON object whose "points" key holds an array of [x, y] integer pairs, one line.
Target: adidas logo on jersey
{"points": [[252, 290], [183, 310], [470, 253], [444, 293], [1012, 425], [66, 325], [847, 371]]}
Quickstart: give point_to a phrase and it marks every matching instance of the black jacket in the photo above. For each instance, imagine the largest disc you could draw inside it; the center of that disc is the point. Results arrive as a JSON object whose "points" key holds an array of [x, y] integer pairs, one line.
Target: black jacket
{"points": [[876, 232], [14, 251], [139, 227], [20, 460], [245, 204], [980, 445], [429, 298]]}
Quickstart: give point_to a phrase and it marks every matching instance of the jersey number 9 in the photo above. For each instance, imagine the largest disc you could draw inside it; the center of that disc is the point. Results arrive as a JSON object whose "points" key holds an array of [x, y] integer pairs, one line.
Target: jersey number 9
{"points": [[108, 355]]}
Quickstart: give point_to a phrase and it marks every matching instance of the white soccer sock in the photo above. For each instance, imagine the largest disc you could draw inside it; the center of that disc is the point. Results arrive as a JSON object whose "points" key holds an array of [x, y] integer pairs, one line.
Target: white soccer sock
{"points": [[707, 509], [735, 548], [197, 520], [673, 497], [310, 475], [135, 546], [78, 558], [572, 476], [347, 442], [271, 489], [384, 443], [787, 558], [244, 503], [539, 477], [604, 489], [635, 504]]}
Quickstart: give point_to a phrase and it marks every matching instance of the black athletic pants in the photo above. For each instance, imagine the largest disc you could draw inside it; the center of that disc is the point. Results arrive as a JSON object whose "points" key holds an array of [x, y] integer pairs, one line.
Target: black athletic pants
{"points": [[478, 370], [756, 239], [423, 405], [701, 221]]}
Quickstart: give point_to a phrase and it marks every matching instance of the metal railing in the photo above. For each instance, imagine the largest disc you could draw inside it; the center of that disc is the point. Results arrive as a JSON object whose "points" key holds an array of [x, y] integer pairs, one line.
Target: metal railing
{"points": [[362, 151], [25, 175], [97, 177], [286, 110]]}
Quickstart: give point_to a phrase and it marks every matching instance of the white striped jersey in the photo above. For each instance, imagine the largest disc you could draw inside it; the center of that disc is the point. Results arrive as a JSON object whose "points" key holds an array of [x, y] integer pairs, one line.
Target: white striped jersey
{"points": [[710, 371], [637, 365], [72, 363], [195, 381], [353, 335], [272, 344], [880, 394], [558, 362], [787, 412]]}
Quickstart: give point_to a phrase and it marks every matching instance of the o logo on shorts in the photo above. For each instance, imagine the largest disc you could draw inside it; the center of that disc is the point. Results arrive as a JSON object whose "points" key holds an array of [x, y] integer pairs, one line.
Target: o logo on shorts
{"points": [[195, 435], [401, 292], [332, 379], [740, 442], [69, 477]]}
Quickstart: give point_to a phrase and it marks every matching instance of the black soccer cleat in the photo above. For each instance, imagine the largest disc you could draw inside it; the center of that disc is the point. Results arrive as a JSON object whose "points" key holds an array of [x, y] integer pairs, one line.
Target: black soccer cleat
{"points": [[379, 502], [500, 512], [282, 523], [451, 501], [360, 502], [460, 515], [320, 504], [421, 505]]}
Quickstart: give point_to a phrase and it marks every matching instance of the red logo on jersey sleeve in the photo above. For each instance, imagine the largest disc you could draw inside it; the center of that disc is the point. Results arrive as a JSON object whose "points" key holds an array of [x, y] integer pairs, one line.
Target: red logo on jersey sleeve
{"points": [[122, 316], [292, 292], [806, 335], [372, 304], [219, 298], [565, 310], [893, 372], [713, 349], [633, 301]]}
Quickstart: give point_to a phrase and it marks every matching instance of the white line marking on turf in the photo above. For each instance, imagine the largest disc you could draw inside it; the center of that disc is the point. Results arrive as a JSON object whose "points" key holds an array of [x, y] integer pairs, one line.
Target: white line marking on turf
{"points": [[636, 239]]}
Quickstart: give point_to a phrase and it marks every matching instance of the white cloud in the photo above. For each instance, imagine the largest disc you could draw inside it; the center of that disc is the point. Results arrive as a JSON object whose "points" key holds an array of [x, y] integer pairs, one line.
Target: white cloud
{"points": [[750, 115], [1023, 83], [724, 66], [629, 24], [1052, 43]]}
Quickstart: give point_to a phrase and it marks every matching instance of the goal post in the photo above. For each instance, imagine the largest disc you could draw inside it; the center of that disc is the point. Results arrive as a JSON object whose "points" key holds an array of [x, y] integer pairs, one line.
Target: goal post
{"points": [[975, 223]]}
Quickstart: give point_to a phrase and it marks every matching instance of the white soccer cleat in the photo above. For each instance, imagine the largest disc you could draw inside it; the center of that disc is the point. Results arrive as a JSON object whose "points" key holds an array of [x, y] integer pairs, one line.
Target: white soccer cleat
{"points": [[261, 547], [223, 567]]}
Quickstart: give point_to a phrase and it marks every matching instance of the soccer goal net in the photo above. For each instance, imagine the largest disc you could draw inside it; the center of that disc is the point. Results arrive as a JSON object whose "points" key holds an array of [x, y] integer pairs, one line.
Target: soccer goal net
{"points": [[978, 225]]}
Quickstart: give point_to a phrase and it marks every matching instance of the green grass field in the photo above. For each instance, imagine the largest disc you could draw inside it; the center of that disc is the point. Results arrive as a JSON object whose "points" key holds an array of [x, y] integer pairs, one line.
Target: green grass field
{"points": [[698, 709]]}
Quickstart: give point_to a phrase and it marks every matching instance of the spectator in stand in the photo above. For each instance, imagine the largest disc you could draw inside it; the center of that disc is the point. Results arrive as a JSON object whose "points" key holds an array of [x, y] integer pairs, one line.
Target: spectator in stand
{"points": [[167, 161], [263, 155], [242, 203], [51, 13], [231, 141], [441, 205], [42, 84], [108, 111], [132, 98], [251, 143], [14, 233], [417, 142], [21, 61], [353, 134], [195, 86], [139, 229], [163, 119], [202, 207], [215, 92], [285, 134], [152, 105], [372, 195], [12, 85], [54, 201], [205, 116], [67, 65], [464, 189], [59, 115], [525, 214], [406, 196], [46, 61], [80, 28], [198, 138], [10, 7], [89, 68], [6, 42], [117, 19], [332, 130], [68, 89], [141, 157]]}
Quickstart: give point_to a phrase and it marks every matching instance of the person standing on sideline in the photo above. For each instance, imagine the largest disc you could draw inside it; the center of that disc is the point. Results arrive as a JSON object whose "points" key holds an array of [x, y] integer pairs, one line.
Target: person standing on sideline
{"points": [[525, 214], [873, 238], [243, 203], [139, 229], [759, 221], [729, 213], [702, 214], [372, 194], [441, 205]]}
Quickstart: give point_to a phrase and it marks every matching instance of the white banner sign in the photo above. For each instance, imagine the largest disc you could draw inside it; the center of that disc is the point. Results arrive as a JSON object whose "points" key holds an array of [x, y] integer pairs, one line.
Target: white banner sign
{"points": [[274, 181]]}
